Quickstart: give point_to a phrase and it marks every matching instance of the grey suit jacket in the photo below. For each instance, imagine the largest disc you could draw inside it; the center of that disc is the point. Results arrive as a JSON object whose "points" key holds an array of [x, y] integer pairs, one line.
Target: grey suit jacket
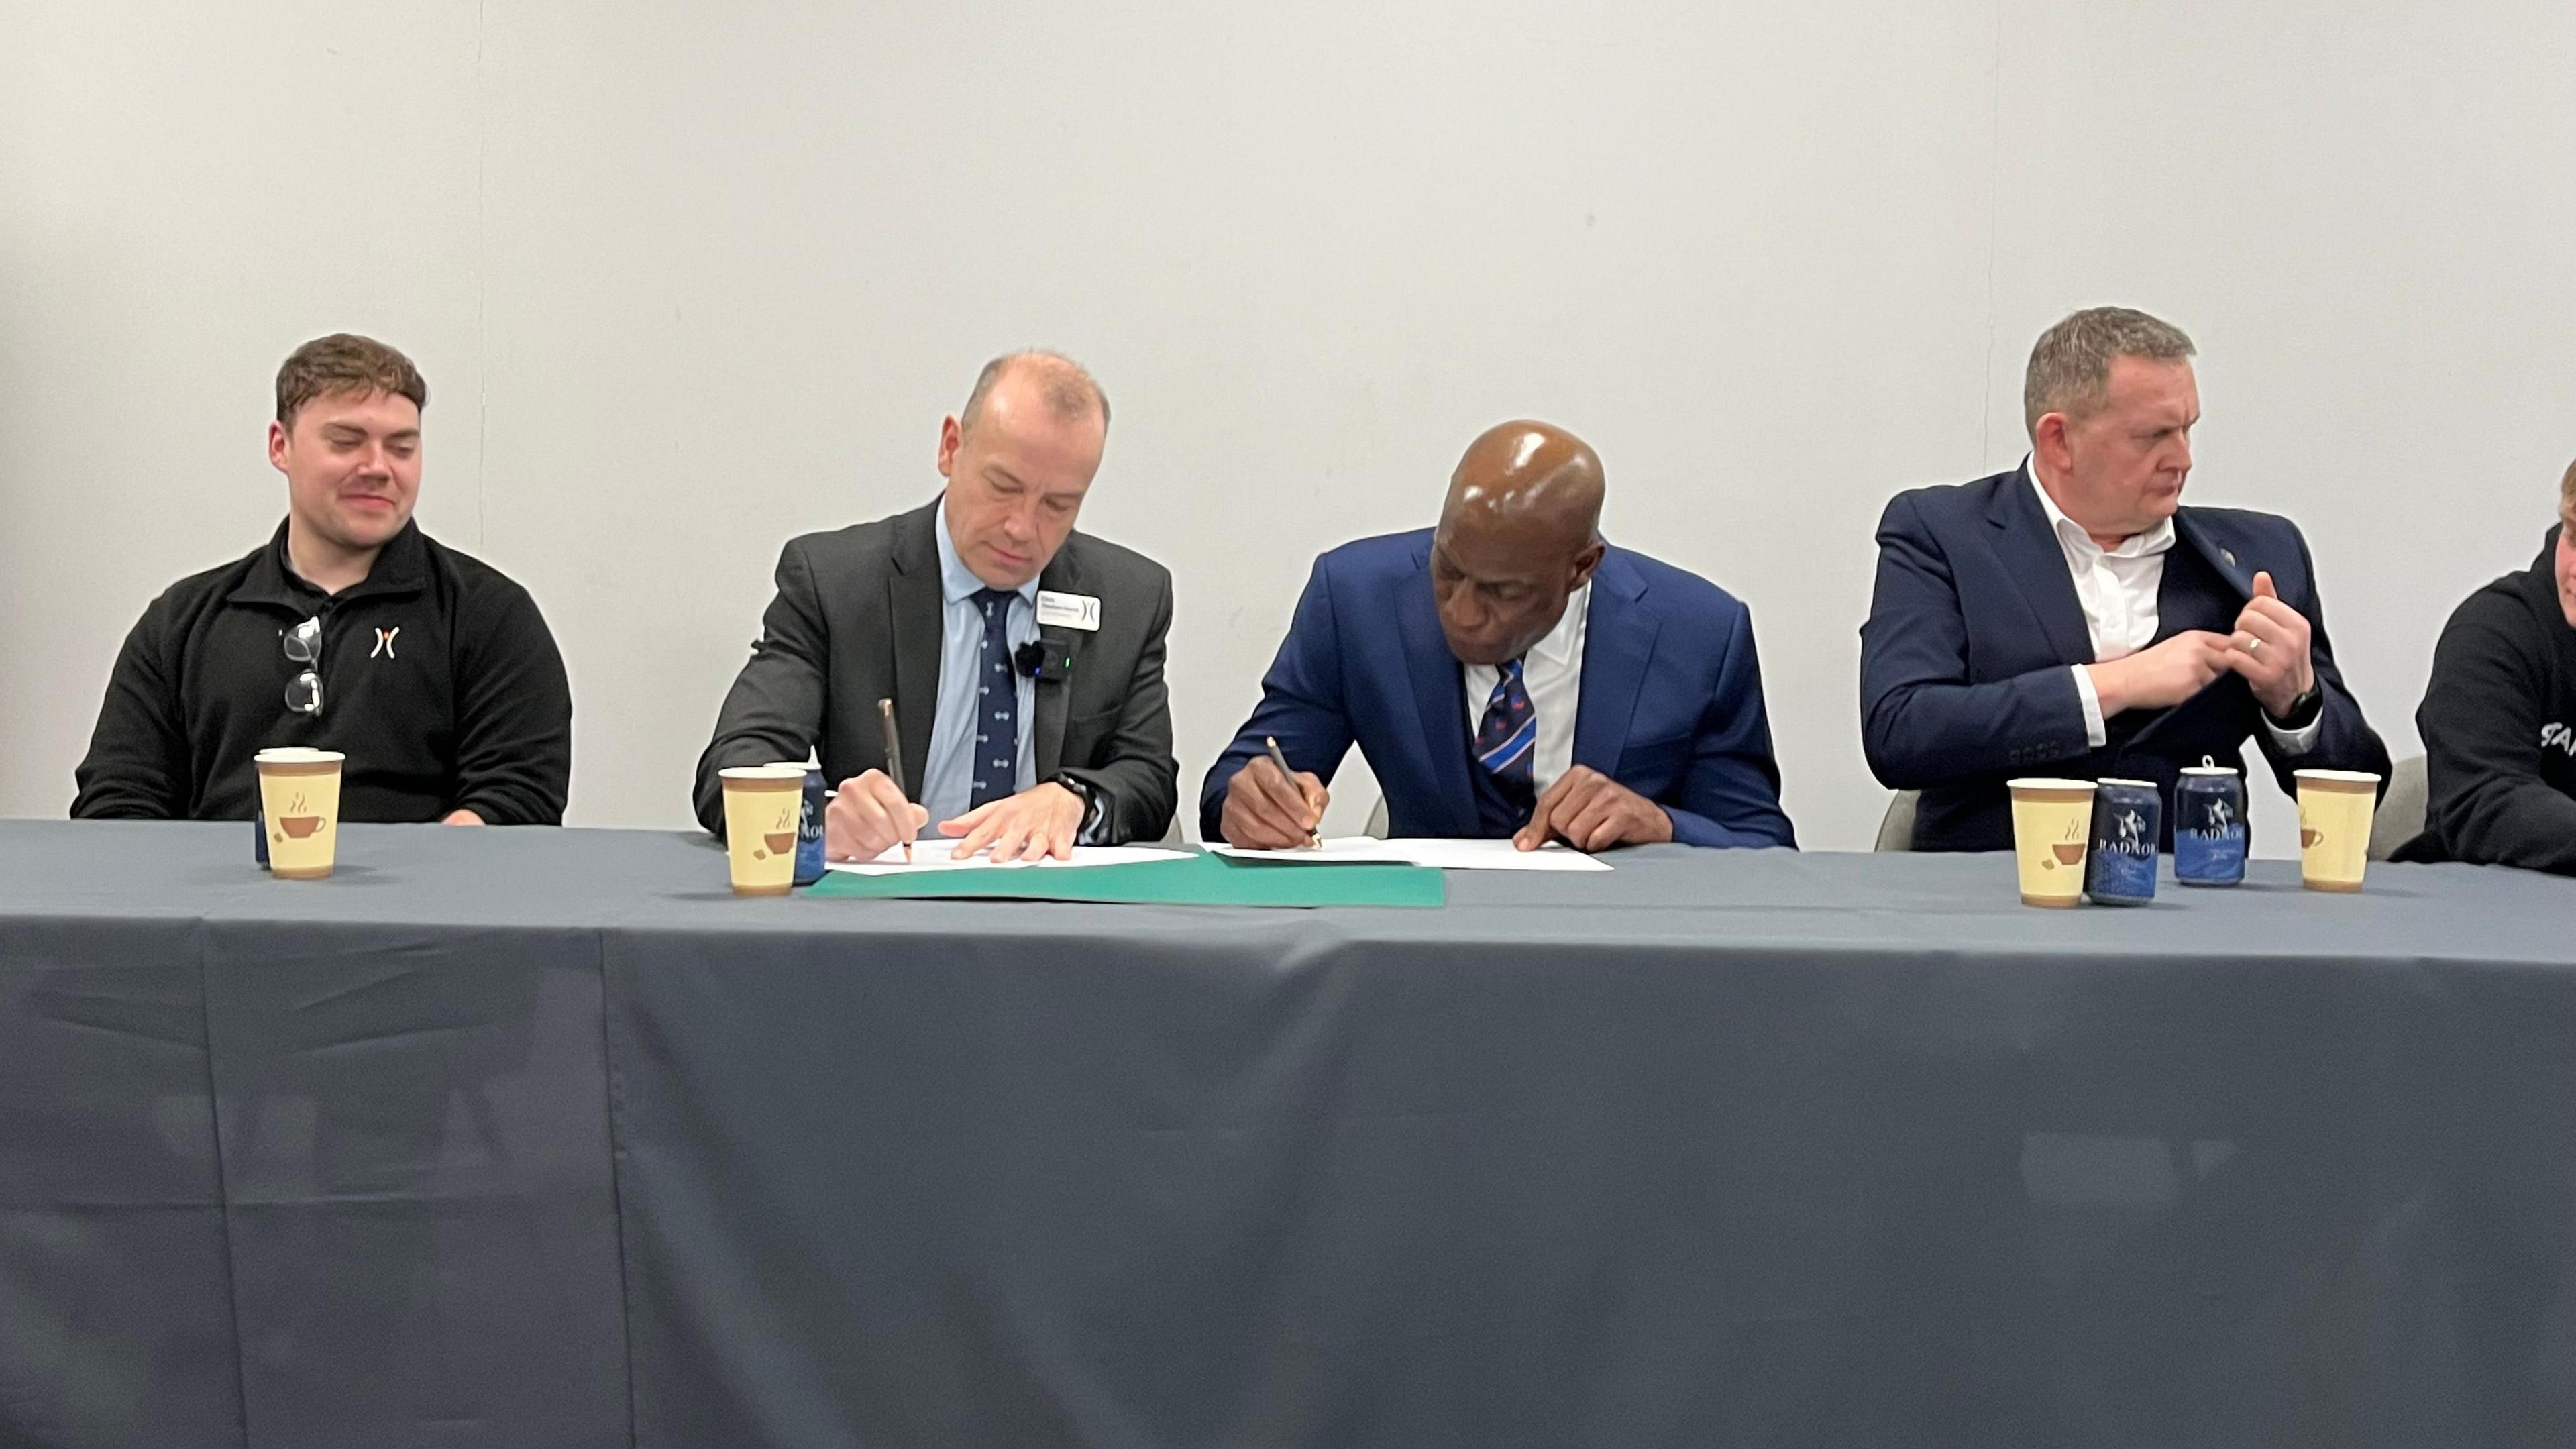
{"points": [[858, 619]]}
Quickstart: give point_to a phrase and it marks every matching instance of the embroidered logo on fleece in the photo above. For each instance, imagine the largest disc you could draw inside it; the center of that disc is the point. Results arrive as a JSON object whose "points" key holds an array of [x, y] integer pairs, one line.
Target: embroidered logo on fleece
{"points": [[384, 643]]}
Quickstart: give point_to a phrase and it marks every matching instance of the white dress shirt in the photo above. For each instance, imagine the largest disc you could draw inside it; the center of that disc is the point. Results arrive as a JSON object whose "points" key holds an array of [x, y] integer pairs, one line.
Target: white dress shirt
{"points": [[1552, 674], [2119, 589]]}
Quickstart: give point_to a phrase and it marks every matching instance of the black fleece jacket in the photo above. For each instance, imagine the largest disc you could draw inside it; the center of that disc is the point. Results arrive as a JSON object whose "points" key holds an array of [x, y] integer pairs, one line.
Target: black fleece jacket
{"points": [[440, 681], [2499, 728]]}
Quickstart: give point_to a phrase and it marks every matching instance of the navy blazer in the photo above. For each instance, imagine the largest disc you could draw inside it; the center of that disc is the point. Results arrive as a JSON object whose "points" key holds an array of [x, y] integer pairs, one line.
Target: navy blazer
{"points": [[1670, 701], [1964, 678]]}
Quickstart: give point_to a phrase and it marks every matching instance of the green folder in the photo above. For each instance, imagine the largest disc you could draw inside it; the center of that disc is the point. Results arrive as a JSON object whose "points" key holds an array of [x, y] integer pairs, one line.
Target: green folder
{"points": [[1197, 880]]}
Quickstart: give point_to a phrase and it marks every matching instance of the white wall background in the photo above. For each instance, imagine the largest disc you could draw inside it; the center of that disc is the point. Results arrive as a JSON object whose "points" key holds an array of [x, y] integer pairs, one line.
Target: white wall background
{"points": [[688, 278]]}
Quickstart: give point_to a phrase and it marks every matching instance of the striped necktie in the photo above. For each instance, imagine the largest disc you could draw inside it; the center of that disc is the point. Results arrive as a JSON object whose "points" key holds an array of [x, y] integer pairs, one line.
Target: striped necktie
{"points": [[1507, 739]]}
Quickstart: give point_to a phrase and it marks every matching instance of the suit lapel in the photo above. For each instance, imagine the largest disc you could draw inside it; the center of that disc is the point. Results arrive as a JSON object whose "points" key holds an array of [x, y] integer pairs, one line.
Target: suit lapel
{"points": [[914, 605], [1618, 648], [1438, 698], [2037, 564], [1054, 696], [2182, 604], [2198, 591], [2194, 535]]}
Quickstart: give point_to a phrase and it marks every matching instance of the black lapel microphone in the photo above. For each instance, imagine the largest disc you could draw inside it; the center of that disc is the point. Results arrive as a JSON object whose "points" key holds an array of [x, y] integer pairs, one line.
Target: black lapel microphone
{"points": [[1048, 657]]}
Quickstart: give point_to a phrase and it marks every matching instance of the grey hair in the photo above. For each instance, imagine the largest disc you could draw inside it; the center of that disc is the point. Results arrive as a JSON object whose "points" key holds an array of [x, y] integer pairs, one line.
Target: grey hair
{"points": [[2070, 365], [1071, 393]]}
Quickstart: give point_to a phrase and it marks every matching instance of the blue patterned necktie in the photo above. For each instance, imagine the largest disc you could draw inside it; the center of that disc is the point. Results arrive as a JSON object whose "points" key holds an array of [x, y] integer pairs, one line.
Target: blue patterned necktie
{"points": [[997, 699], [1507, 739]]}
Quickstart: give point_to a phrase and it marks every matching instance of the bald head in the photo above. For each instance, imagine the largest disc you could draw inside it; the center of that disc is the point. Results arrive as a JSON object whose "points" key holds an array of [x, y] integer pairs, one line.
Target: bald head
{"points": [[1527, 478], [1518, 535], [1049, 380]]}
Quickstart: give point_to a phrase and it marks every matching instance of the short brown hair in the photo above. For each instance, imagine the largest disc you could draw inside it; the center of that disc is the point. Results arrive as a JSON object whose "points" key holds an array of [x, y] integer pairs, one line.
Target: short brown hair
{"points": [[342, 363], [2070, 365], [2567, 492]]}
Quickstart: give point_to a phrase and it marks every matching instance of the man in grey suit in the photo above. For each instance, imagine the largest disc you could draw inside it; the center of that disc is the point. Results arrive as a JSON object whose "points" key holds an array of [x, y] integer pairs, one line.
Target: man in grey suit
{"points": [[1025, 660]]}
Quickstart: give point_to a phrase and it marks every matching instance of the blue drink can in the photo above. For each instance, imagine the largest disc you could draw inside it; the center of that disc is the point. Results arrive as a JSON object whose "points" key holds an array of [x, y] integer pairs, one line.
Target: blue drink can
{"points": [[2210, 837], [809, 832], [259, 834], [2120, 868]]}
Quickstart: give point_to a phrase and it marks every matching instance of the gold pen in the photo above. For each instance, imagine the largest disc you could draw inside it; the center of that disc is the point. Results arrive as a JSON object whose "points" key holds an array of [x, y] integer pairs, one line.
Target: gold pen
{"points": [[894, 760], [1314, 836]]}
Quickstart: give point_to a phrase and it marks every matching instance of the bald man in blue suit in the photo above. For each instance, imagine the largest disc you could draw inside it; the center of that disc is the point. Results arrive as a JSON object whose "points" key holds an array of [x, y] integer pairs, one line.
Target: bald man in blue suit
{"points": [[1507, 674]]}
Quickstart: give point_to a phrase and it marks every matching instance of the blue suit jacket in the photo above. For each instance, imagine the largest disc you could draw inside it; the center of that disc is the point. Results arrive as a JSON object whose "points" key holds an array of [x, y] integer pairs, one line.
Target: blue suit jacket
{"points": [[1964, 679], [1670, 703]]}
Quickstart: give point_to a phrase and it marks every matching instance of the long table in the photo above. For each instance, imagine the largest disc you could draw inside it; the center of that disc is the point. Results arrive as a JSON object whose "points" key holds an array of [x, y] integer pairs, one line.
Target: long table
{"points": [[543, 1138]]}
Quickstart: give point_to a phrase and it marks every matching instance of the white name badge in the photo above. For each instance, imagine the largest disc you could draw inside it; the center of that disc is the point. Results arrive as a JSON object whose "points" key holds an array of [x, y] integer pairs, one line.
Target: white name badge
{"points": [[1072, 611]]}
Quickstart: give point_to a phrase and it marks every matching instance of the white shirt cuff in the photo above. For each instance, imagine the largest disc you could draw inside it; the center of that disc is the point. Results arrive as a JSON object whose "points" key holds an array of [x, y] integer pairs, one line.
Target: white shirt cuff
{"points": [[2095, 733], [2297, 741]]}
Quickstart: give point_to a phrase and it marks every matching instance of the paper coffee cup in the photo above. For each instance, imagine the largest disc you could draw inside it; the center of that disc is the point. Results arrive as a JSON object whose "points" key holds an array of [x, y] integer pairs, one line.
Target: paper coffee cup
{"points": [[299, 803], [2052, 826], [2335, 807], [762, 803]]}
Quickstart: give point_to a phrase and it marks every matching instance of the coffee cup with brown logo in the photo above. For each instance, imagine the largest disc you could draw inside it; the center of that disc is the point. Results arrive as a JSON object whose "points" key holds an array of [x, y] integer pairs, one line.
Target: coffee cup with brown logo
{"points": [[2052, 828], [299, 807], [2335, 809], [762, 805]]}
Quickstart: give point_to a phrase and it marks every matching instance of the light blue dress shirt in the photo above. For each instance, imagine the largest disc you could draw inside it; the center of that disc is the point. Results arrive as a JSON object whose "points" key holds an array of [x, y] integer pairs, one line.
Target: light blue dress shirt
{"points": [[948, 783]]}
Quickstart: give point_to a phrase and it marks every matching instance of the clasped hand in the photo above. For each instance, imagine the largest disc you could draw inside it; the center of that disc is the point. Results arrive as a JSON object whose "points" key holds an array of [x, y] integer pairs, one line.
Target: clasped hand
{"points": [[2270, 648]]}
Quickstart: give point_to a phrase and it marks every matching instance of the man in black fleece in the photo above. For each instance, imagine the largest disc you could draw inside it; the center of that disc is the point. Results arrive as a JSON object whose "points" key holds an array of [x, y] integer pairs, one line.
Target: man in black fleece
{"points": [[2499, 717], [349, 630]]}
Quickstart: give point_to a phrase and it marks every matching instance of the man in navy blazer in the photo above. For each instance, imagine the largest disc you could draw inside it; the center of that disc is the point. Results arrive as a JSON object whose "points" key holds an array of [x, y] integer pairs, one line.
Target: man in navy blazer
{"points": [[1509, 674], [2071, 618]]}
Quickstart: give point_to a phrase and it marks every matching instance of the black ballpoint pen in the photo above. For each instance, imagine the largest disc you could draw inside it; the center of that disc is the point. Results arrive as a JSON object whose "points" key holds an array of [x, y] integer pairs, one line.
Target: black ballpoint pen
{"points": [[1314, 838]]}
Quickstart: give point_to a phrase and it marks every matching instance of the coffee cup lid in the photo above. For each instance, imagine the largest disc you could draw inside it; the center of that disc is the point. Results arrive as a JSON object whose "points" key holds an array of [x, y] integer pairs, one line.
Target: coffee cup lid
{"points": [[762, 772], [2046, 784], [2347, 777], [297, 755]]}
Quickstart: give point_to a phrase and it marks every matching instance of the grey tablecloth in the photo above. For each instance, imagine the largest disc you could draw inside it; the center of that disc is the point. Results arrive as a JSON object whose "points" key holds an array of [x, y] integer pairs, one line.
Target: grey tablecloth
{"points": [[541, 1137]]}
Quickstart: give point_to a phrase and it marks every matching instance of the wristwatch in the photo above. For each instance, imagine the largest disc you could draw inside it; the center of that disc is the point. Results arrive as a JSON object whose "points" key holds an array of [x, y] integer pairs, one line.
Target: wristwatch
{"points": [[1090, 798], [2303, 710]]}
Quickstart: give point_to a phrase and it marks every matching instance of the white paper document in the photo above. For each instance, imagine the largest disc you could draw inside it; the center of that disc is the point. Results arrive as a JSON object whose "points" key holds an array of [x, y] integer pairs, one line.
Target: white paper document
{"points": [[933, 855], [1440, 854]]}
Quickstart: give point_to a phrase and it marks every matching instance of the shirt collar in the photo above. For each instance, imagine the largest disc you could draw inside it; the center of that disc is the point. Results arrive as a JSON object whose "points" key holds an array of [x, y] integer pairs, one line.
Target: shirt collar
{"points": [[957, 583], [400, 567], [1558, 647], [2071, 533]]}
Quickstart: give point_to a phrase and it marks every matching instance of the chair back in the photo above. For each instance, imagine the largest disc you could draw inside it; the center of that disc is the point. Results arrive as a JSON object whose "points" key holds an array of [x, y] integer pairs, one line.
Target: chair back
{"points": [[2401, 810], [1896, 830]]}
